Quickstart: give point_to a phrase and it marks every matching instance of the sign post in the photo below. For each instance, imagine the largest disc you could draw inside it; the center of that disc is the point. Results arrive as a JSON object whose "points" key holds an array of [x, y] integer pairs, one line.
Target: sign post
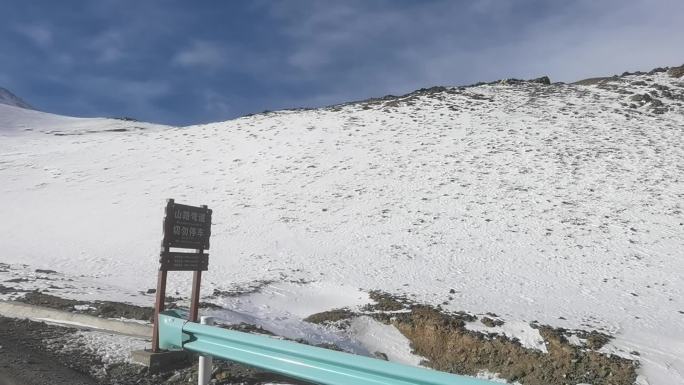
{"points": [[185, 227]]}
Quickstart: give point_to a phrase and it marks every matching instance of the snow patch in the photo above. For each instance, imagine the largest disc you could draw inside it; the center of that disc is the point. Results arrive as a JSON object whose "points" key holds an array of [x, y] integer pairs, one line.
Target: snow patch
{"points": [[576, 341], [83, 307], [528, 336], [494, 377], [281, 308], [111, 348], [378, 337]]}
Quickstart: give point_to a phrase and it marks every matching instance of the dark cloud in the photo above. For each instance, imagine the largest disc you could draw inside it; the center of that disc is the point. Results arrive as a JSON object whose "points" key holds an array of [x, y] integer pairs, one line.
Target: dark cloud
{"points": [[188, 62]]}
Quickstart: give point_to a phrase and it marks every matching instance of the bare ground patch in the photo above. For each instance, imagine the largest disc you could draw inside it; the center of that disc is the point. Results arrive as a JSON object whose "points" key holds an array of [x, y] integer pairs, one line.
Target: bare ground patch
{"points": [[31, 354], [106, 309], [443, 338]]}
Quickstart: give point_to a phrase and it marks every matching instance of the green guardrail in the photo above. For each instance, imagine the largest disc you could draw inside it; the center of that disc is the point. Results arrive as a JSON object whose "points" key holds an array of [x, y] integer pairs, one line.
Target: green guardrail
{"points": [[295, 360]]}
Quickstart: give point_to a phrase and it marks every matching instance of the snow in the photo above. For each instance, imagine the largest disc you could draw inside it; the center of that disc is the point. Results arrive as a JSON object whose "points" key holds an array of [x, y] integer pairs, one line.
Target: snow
{"points": [[111, 348], [281, 308], [23, 278], [83, 307], [559, 205], [63, 322], [378, 337], [660, 353], [575, 340], [528, 336], [16, 120], [494, 377], [298, 301]]}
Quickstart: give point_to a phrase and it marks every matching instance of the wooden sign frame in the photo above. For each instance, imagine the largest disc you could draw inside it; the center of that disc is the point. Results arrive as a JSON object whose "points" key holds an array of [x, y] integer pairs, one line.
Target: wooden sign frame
{"points": [[185, 227]]}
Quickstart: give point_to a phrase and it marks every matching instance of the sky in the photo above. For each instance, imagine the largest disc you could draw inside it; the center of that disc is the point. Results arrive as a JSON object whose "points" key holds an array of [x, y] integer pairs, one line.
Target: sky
{"points": [[190, 62]]}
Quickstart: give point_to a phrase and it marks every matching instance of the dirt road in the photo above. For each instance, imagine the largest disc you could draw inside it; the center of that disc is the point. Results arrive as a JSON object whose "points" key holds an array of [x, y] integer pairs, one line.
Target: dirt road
{"points": [[24, 361]]}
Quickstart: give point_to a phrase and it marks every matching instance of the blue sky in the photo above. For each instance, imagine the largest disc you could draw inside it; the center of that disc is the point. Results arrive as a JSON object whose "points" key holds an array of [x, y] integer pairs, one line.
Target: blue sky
{"points": [[185, 62]]}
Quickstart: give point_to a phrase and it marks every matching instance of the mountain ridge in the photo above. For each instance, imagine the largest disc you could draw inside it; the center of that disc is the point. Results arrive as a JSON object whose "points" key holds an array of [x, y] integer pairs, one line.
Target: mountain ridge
{"points": [[10, 99], [555, 202]]}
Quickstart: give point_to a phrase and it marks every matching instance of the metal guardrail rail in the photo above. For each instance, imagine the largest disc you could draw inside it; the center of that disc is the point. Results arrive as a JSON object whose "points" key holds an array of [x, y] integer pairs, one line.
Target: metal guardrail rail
{"points": [[295, 360]]}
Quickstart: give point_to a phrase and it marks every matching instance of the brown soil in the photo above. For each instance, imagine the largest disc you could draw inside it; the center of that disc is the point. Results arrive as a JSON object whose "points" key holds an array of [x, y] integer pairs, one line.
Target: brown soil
{"points": [[450, 347], [442, 338]]}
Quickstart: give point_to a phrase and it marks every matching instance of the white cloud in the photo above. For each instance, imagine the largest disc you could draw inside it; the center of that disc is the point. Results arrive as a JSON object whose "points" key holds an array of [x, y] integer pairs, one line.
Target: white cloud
{"points": [[394, 49], [109, 46], [217, 104], [202, 54], [214, 57], [39, 34]]}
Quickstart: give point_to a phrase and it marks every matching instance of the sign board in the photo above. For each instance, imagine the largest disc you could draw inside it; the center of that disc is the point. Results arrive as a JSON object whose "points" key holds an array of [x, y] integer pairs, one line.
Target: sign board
{"points": [[187, 227], [171, 261]]}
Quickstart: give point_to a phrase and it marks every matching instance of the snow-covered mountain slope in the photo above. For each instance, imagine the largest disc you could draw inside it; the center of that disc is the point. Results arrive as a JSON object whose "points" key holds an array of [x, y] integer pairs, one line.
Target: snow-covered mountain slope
{"points": [[14, 120], [10, 99], [557, 203]]}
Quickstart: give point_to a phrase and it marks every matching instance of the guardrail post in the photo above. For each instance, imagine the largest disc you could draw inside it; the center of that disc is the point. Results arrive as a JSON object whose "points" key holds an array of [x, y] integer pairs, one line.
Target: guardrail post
{"points": [[205, 360]]}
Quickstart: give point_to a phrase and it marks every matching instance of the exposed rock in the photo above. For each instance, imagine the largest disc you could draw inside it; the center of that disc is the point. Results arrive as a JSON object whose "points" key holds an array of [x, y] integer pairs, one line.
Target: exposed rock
{"points": [[656, 103], [386, 302], [592, 81], [9, 290], [18, 280], [246, 328], [676, 72], [491, 322], [45, 271], [595, 340], [641, 98], [541, 80], [209, 305], [331, 316]]}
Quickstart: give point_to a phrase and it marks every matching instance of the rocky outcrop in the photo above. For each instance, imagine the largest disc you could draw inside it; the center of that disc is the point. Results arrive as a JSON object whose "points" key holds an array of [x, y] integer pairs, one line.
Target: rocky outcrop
{"points": [[676, 72]]}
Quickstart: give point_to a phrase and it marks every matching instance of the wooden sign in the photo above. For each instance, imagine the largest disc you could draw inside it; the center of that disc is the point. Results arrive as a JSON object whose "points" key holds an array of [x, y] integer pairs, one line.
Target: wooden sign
{"points": [[187, 227], [172, 261]]}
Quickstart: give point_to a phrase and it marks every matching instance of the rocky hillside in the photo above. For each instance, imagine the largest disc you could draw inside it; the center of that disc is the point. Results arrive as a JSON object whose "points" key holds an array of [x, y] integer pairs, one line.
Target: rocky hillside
{"points": [[537, 201]]}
